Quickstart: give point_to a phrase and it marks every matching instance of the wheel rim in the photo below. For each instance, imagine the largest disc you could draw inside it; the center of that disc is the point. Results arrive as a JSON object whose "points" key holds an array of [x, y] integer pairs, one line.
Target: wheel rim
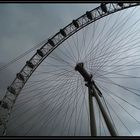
{"points": [[70, 55]]}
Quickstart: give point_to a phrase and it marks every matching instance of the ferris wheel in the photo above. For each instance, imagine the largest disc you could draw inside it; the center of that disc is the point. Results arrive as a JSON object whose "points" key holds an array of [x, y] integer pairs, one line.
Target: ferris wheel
{"points": [[82, 81]]}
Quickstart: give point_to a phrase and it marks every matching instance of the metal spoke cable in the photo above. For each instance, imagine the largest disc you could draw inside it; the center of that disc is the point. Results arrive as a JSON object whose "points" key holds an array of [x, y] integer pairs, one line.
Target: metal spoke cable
{"points": [[43, 43], [109, 114], [113, 94], [120, 119]]}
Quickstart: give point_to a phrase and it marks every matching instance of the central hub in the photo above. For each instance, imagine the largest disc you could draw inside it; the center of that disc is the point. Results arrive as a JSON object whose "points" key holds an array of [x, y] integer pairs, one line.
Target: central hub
{"points": [[80, 68]]}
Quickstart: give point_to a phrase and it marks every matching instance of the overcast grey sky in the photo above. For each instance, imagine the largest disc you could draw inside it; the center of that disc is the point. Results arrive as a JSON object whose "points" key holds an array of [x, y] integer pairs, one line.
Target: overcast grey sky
{"points": [[22, 26]]}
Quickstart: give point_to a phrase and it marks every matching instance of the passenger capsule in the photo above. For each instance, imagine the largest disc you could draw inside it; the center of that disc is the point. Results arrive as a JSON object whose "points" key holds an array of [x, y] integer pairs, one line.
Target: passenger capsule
{"points": [[30, 64], [51, 42], [104, 8], [89, 15], [4, 105], [20, 76], [40, 53], [63, 32], [75, 23], [120, 4], [12, 90]]}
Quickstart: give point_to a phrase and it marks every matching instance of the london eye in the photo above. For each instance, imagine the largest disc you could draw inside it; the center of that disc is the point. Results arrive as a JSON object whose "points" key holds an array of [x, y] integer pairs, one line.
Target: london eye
{"points": [[82, 81]]}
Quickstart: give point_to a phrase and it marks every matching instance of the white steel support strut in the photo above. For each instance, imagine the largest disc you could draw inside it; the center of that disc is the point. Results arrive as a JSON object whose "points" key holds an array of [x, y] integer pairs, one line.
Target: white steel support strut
{"points": [[94, 91], [93, 128]]}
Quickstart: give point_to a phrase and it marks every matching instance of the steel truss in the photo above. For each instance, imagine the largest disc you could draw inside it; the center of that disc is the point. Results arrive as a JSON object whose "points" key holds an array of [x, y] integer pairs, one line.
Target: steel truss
{"points": [[22, 77]]}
